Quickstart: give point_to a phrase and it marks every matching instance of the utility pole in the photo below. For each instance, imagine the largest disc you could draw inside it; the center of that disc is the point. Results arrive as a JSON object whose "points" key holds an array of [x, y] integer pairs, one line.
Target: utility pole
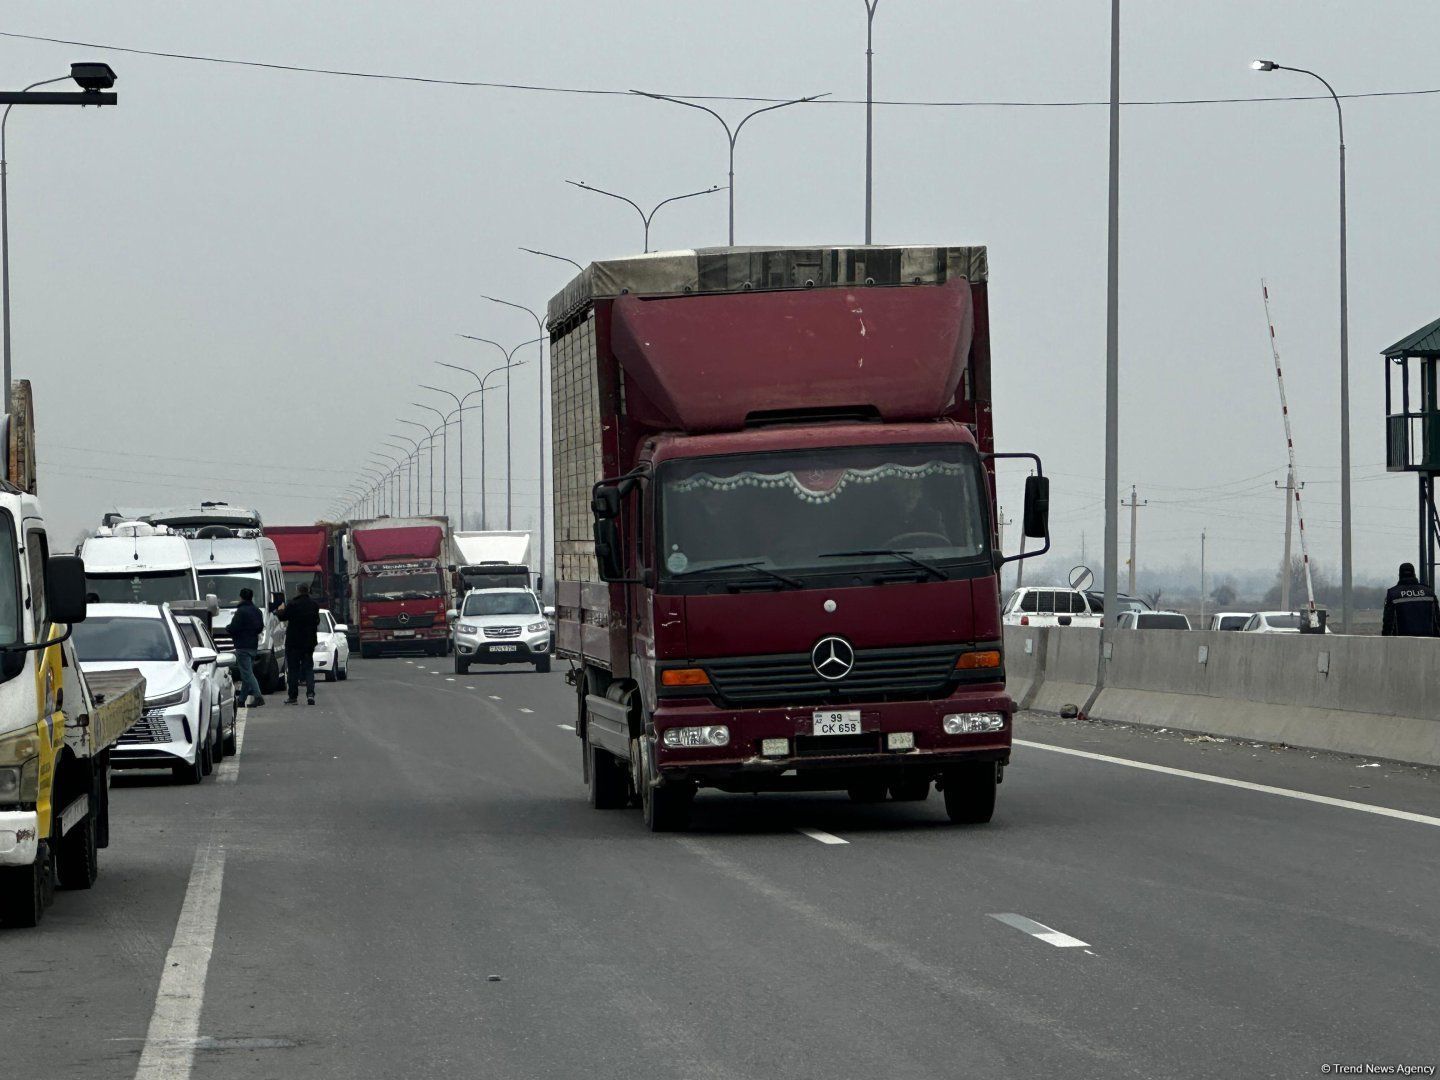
{"points": [[1290, 488], [1134, 505], [1082, 547], [1000, 523], [1202, 579]]}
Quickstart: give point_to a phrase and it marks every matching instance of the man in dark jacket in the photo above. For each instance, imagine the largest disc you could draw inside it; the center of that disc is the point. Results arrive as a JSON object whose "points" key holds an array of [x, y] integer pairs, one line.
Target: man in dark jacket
{"points": [[1410, 607], [302, 620], [245, 628]]}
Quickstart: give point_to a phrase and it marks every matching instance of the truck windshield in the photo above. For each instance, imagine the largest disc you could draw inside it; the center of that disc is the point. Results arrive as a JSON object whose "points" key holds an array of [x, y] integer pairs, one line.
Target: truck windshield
{"points": [[500, 603], [149, 588], [296, 578], [110, 637], [400, 586], [225, 585], [896, 509]]}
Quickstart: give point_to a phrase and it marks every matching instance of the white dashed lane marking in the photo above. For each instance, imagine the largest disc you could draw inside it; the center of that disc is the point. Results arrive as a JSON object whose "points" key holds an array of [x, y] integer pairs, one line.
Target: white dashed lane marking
{"points": [[528, 711], [567, 727], [823, 837], [1039, 930]]}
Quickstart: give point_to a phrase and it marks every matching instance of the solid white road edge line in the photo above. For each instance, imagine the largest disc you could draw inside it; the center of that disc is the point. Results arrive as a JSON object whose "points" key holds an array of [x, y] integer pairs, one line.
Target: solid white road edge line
{"points": [[229, 770], [1047, 934], [1265, 789], [823, 837], [169, 1051]]}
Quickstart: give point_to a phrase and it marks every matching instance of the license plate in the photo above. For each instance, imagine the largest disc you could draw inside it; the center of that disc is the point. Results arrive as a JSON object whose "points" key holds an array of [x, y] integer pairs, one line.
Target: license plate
{"points": [[838, 722], [503, 648], [404, 633]]}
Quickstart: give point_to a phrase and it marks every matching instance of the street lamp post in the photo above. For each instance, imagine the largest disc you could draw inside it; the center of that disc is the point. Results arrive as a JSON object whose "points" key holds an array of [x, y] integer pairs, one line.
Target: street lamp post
{"points": [[460, 412], [429, 442], [558, 258], [480, 389], [395, 472], [730, 135], [511, 363], [444, 456], [1345, 545], [92, 78], [415, 483], [645, 218], [870, 6]]}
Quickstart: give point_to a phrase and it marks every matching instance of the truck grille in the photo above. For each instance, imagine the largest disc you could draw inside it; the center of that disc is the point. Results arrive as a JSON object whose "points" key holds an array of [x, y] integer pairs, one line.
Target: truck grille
{"points": [[411, 622], [502, 631], [148, 729], [912, 673]]}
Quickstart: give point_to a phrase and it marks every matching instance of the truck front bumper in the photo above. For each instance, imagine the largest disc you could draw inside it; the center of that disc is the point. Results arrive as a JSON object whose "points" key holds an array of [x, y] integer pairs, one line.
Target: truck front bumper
{"points": [[19, 837], [777, 748]]}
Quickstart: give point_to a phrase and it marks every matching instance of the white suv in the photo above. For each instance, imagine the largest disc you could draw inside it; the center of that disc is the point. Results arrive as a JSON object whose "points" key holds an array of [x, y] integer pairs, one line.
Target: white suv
{"points": [[1049, 606], [501, 626]]}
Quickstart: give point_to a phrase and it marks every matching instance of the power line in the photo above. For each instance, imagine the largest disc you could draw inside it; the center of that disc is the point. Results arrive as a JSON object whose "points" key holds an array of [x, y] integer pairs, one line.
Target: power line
{"points": [[489, 84]]}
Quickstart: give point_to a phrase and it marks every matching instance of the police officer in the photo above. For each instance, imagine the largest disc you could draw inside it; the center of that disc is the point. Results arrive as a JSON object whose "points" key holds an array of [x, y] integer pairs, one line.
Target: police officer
{"points": [[1411, 609]]}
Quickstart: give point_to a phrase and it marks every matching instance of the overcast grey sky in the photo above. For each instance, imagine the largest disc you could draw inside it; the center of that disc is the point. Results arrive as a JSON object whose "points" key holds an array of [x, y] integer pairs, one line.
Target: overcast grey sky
{"points": [[229, 285]]}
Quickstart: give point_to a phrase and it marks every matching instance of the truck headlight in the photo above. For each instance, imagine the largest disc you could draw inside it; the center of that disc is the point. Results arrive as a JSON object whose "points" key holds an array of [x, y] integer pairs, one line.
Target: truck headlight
{"points": [[971, 723], [19, 767], [536, 627], [164, 701], [710, 735]]}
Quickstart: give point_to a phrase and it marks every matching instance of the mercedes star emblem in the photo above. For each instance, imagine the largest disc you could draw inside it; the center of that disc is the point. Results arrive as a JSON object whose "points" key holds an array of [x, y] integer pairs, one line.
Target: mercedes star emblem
{"points": [[403, 618], [833, 658]]}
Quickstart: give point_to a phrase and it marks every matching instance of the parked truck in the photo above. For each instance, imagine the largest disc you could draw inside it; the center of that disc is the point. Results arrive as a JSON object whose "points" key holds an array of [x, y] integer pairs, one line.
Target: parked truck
{"points": [[314, 555], [491, 560], [776, 544], [56, 727], [399, 584]]}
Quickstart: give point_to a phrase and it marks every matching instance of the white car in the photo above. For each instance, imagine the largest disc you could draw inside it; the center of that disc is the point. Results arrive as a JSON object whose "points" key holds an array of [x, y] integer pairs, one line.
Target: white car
{"points": [[1152, 620], [222, 684], [179, 729], [332, 648], [1050, 606], [501, 626], [1229, 620], [1275, 622]]}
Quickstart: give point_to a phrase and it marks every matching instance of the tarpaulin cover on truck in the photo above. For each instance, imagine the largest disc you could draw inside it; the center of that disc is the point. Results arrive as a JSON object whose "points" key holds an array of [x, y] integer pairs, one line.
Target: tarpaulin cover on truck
{"points": [[301, 547], [411, 542]]}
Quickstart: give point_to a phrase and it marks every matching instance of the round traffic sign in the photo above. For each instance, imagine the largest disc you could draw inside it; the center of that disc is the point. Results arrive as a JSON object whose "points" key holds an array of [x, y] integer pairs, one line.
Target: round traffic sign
{"points": [[1081, 577]]}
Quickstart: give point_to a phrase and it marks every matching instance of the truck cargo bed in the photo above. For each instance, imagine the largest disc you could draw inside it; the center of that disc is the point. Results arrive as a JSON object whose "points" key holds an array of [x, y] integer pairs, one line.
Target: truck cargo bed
{"points": [[119, 698]]}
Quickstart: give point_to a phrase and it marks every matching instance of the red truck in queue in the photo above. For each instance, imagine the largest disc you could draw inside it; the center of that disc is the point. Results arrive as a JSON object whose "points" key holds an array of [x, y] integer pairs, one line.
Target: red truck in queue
{"points": [[399, 585], [312, 555], [776, 547]]}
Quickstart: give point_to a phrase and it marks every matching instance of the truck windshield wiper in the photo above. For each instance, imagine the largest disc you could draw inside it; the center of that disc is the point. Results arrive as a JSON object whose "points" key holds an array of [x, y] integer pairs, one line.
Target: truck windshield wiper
{"points": [[920, 564], [759, 567]]}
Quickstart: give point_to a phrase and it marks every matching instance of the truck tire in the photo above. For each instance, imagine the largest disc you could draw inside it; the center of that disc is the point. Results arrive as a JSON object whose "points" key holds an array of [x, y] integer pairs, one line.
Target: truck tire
{"points": [[369, 652], [666, 809], [26, 891], [970, 793], [462, 666], [543, 665], [911, 790], [609, 781], [79, 858]]}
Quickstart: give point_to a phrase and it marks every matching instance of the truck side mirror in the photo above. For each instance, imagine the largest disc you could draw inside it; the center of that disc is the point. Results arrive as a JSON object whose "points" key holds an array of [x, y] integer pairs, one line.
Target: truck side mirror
{"points": [[607, 549], [605, 502], [1037, 507], [65, 588]]}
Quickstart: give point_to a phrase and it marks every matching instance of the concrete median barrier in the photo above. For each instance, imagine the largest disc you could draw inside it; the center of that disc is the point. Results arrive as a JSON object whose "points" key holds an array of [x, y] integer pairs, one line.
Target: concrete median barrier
{"points": [[1377, 697]]}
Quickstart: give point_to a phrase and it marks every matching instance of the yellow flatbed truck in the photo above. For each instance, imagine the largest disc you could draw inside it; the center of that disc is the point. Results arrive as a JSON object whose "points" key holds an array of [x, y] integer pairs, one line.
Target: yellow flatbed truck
{"points": [[56, 725]]}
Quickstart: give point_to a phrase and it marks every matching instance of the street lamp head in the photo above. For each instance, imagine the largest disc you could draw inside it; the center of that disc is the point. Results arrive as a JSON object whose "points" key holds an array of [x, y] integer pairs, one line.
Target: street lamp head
{"points": [[1264, 65], [92, 76]]}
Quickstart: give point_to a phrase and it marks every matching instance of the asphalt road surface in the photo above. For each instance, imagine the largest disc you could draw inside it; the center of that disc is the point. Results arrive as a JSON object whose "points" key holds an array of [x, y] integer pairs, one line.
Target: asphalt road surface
{"points": [[406, 880]]}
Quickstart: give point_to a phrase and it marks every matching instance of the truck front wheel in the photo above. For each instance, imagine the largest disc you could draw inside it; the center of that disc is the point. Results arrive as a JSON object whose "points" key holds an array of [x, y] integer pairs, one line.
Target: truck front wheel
{"points": [[666, 809], [79, 861], [609, 781], [970, 792], [25, 891]]}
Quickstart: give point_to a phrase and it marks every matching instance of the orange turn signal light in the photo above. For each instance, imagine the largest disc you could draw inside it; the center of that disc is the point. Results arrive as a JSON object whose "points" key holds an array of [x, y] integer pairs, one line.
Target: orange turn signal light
{"points": [[985, 658], [685, 676]]}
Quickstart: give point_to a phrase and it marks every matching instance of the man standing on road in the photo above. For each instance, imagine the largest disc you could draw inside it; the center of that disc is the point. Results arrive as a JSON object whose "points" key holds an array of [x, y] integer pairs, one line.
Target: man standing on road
{"points": [[1411, 609], [245, 629], [302, 619]]}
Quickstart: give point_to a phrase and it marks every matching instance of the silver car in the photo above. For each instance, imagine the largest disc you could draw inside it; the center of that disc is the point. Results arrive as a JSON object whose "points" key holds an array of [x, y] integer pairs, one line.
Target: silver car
{"points": [[501, 626]]}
